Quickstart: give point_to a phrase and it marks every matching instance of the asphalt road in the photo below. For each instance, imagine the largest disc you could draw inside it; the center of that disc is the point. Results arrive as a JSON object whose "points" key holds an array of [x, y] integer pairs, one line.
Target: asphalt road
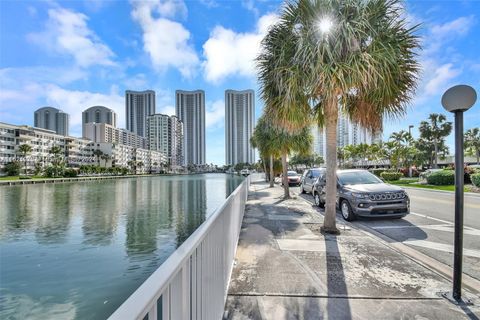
{"points": [[429, 227]]}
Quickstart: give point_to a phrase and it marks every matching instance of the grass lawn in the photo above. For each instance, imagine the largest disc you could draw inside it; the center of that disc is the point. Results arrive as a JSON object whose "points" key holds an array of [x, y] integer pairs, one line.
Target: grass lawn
{"points": [[9, 178], [413, 182]]}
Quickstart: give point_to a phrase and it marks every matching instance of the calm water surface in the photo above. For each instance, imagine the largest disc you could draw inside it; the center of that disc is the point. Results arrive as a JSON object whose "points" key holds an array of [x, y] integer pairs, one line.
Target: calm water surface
{"points": [[78, 250]]}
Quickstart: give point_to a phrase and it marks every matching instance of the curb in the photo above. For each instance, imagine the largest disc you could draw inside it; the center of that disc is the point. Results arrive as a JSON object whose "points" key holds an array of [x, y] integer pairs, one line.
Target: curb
{"points": [[472, 194], [442, 269]]}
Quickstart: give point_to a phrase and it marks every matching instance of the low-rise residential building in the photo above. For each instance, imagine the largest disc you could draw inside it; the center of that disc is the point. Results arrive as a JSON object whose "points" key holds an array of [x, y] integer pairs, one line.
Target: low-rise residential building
{"points": [[74, 151], [119, 155]]}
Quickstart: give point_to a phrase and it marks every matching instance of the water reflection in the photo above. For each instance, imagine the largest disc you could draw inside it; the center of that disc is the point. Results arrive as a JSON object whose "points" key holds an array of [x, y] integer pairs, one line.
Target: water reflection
{"points": [[82, 248]]}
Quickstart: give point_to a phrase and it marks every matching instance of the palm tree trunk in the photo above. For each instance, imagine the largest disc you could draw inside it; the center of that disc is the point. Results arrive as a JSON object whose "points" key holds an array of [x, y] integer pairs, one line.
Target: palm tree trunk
{"points": [[265, 169], [436, 153], [286, 189], [478, 156], [271, 171], [331, 118], [25, 162]]}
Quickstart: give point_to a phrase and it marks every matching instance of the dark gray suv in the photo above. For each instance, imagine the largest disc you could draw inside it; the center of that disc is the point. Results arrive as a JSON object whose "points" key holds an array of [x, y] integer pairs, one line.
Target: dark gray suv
{"points": [[360, 193]]}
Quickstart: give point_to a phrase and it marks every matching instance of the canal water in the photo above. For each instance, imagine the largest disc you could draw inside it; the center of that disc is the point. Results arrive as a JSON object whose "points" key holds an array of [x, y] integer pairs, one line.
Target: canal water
{"points": [[78, 250]]}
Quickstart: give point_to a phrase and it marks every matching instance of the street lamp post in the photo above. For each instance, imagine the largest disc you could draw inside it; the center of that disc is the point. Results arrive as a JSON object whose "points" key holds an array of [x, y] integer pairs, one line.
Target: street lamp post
{"points": [[458, 99], [410, 129]]}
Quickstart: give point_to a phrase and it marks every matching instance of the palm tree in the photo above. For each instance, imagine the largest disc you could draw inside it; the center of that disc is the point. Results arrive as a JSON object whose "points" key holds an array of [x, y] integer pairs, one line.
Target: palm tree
{"points": [[262, 139], [435, 131], [56, 161], [472, 142], [285, 142], [133, 166], [353, 56], [25, 149], [105, 157], [140, 164], [97, 153]]}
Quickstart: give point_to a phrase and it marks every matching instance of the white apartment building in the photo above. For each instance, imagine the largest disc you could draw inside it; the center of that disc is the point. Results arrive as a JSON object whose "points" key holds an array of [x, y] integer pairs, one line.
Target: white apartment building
{"points": [[190, 110], [76, 151], [52, 119], [138, 106], [122, 155], [102, 132], [165, 134], [239, 124]]}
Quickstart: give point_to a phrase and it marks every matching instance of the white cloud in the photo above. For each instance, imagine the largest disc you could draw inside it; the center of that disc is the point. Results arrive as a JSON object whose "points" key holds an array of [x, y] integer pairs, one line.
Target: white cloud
{"points": [[164, 40], [440, 34], [229, 53], [458, 26], [67, 33], [440, 80], [215, 114], [75, 101]]}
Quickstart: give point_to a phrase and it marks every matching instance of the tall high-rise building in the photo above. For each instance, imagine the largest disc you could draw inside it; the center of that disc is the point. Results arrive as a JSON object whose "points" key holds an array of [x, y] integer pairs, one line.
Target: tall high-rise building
{"points": [[52, 119], [176, 142], [190, 110], [318, 145], [239, 122], [98, 114], [138, 106]]}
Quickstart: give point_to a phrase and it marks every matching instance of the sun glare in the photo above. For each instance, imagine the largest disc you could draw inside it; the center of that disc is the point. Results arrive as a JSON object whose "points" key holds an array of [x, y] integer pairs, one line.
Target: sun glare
{"points": [[324, 25]]}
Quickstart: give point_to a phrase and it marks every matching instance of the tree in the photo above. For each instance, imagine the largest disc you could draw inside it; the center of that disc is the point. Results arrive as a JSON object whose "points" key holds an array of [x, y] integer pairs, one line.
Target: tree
{"points": [[105, 157], [12, 168], [98, 154], [262, 139], [435, 132], [133, 166], [56, 161], [25, 149], [359, 59], [140, 164], [472, 142], [285, 142]]}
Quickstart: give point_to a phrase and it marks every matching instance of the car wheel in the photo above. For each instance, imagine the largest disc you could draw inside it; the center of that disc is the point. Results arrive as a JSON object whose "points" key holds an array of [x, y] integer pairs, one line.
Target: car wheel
{"points": [[347, 212], [301, 188], [318, 201]]}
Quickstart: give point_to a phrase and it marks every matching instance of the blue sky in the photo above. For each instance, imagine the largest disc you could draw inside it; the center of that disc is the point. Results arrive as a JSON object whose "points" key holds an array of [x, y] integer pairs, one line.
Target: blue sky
{"points": [[75, 54]]}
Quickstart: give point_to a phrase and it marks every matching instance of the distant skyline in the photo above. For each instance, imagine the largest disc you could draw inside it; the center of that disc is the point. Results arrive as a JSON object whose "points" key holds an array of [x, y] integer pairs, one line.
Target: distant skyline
{"points": [[73, 55]]}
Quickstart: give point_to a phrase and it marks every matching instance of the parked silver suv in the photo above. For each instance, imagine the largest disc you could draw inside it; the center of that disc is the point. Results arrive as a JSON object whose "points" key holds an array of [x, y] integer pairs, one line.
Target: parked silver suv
{"points": [[360, 193], [309, 178]]}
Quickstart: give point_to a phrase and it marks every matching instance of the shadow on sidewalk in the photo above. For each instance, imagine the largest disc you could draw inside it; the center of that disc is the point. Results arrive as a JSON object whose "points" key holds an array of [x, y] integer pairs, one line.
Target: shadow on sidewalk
{"points": [[336, 284]]}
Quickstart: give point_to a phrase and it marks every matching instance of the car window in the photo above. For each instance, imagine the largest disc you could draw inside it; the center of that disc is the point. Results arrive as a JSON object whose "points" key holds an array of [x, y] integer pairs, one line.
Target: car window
{"points": [[292, 173], [357, 177], [315, 173]]}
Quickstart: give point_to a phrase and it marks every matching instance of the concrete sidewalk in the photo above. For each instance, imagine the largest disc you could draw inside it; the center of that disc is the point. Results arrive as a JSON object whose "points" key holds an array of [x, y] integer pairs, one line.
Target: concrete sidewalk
{"points": [[286, 269]]}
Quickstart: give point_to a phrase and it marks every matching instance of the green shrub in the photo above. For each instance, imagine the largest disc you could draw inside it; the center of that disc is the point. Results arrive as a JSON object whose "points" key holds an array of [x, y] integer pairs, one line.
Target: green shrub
{"points": [[442, 178], [475, 179], [377, 172], [70, 173], [13, 168], [391, 175], [24, 178]]}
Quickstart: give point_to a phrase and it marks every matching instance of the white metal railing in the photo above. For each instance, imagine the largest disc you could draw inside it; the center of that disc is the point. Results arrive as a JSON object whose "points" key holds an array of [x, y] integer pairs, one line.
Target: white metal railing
{"points": [[193, 282]]}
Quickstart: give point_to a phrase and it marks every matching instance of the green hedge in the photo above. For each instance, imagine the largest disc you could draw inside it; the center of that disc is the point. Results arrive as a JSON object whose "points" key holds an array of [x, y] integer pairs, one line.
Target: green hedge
{"points": [[442, 178], [475, 179], [377, 172], [391, 175]]}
